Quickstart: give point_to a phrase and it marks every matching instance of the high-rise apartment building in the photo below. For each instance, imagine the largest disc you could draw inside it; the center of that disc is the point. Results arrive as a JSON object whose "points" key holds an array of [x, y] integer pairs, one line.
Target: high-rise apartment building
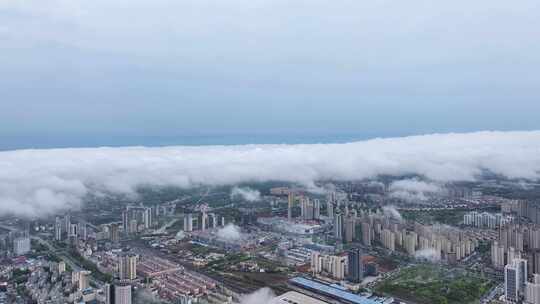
{"points": [[350, 229], [338, 227], [388, 239], [532, 290], [114, 235], [332, 265], [366, 234], [330, 209], [188, 222], [122, 293], [290, 206], [356, 267], [84, 279], [21, 245], [515, 279], [58, 229], [511, 283], [127, 267]]}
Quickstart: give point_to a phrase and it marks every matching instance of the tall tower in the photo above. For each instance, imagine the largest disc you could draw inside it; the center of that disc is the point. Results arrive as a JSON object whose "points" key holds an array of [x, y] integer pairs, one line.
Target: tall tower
{"points": [[366, 234], [356, 267], [515, 279], [67, 222], [83, 279], [125, 221], [127, 267], [113, 233], [316, 209], [214, 220], [58, 229], [532, 290], [291, 203], [511, 283], [350, 229], [147, 218], [108, 290], [188, 222], [122, 293], [204, 220], [338, 226], [82, 231], [330, 209]]}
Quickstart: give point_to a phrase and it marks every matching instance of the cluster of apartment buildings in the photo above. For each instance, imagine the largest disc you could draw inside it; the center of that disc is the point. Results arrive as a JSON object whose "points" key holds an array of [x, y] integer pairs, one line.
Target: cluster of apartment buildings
{"points": [[15, 243], [451, 244], [65, 229], [348, 265], [517, 240], [523, 209], [486, 220], [202, 221], [139, 218]]}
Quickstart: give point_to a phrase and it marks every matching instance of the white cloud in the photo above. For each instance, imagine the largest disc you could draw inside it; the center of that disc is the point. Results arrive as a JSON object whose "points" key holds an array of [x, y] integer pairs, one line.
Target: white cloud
{"points": [[261, 296], [41, 182], [246, 193], [429, 254], [413, 189], [392, 212], [230, 232]]}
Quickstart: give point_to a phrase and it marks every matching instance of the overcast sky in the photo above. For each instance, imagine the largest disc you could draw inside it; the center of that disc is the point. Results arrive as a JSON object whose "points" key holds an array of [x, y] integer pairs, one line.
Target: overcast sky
{"points": [[166, 68]]}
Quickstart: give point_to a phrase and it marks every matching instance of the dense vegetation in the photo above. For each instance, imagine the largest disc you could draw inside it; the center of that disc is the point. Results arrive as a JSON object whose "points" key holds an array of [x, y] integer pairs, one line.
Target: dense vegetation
{"points": [[448, 217], [105, 277], [434, 285]]}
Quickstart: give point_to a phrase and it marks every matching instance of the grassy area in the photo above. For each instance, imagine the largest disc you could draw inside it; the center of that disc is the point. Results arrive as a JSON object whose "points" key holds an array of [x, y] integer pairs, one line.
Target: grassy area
{"points": [[449, 217], [231, 259], [429, 284], [198, 250]]}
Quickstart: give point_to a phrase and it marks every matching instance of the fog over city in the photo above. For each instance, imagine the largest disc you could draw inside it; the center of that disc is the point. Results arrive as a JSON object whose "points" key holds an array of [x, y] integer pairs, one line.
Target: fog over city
{"points": [[42, 182]]}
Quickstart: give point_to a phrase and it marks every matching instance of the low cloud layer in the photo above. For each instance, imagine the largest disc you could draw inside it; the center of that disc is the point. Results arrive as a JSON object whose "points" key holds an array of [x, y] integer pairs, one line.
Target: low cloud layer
{"points": [[41, 182], [230, 232], [246, 193], [413, 189]]}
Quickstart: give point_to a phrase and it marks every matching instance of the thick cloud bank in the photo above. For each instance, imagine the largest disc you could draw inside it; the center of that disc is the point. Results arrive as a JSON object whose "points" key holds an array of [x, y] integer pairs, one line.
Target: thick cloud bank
{"points": [[39, 182]]}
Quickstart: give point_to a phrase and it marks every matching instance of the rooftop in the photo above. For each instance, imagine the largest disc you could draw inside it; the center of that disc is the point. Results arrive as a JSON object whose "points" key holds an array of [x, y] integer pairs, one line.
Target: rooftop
{"points": [[332, 291]]}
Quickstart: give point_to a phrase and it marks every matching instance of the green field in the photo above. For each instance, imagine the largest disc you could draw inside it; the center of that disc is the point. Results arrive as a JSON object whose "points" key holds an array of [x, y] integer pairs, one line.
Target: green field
{"points": [[429, 284], [449, 217]]}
